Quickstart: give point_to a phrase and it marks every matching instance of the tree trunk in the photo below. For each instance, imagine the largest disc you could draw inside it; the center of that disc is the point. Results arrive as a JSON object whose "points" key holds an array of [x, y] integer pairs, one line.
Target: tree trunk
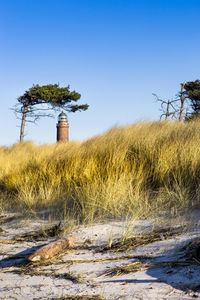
{"points": [[167, 112], [23, 122], [182, 98]]}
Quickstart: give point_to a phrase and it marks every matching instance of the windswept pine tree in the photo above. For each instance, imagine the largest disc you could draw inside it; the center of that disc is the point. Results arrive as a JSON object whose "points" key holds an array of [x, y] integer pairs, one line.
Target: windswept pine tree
{"points": [[192, 92], [43, 101]]}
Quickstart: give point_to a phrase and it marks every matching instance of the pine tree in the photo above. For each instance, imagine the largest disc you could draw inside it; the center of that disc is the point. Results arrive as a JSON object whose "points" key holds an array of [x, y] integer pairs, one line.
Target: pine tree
{"points": [[43, 101]]}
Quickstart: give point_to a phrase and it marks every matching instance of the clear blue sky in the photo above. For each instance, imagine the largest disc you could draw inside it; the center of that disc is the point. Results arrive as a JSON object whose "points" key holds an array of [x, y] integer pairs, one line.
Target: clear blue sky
{"points": [[116, 53]]}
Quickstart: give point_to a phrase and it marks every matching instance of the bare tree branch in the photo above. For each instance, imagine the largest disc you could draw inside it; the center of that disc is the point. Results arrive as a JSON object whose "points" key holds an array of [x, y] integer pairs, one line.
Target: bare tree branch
{"points": [[174, 108]]}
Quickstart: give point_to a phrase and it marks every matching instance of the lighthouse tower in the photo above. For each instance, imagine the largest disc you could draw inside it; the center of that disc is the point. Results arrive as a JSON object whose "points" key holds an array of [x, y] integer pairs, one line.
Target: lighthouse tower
{"points": [[62, 128]]}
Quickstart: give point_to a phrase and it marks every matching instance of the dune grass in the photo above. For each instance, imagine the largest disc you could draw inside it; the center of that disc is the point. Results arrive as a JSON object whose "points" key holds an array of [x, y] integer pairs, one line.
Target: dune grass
{"points": [[137, 170]]}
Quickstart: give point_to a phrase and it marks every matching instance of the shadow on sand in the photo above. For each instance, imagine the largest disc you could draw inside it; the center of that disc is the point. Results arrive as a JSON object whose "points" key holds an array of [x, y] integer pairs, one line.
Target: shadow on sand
{"points": [[174, 267], [20, 259]]}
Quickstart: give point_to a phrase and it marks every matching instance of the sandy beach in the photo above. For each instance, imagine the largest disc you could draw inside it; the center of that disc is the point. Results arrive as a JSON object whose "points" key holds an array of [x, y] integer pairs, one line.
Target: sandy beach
{"points": [[96, 267]]}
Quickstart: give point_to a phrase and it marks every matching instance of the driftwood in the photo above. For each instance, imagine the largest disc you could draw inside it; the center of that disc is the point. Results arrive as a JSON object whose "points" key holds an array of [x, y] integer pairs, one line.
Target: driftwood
{"points": [[51, 250]]}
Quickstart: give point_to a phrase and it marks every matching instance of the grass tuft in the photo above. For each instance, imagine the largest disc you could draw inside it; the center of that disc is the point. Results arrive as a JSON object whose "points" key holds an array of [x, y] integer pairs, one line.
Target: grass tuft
{"points": [[137, 170]]}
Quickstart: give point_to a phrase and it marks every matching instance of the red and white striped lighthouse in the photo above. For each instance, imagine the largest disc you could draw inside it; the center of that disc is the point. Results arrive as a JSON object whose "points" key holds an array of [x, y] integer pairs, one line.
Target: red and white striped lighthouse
{"points": [[62, 128]]}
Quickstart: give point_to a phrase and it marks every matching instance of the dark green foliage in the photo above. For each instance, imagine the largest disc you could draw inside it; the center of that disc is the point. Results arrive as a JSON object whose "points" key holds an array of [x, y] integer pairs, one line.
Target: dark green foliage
{"points": [[192, 93], [52, 95]]}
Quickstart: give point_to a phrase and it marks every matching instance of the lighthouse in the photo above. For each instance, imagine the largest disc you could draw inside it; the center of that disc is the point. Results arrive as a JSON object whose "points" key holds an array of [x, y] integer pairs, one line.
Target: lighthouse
{"points": [[62, 128]]}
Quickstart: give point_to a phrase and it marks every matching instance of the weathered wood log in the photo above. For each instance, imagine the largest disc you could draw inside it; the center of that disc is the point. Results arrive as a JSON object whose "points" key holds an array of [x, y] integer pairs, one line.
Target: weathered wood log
{"points": [[51, 250]]}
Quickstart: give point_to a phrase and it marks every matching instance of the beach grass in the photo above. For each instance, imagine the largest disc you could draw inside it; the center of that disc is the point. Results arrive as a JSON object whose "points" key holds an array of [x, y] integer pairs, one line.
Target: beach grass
{"points": [[143, 169]]}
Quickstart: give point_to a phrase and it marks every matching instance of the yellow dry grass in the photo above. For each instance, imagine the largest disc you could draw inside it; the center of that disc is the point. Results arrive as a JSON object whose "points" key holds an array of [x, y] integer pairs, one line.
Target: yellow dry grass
{"points": [[136, 170]]}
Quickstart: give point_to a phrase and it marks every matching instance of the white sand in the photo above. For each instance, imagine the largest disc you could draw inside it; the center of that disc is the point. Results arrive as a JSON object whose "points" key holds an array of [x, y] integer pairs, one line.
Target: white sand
{"points": [[161, 282]]}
